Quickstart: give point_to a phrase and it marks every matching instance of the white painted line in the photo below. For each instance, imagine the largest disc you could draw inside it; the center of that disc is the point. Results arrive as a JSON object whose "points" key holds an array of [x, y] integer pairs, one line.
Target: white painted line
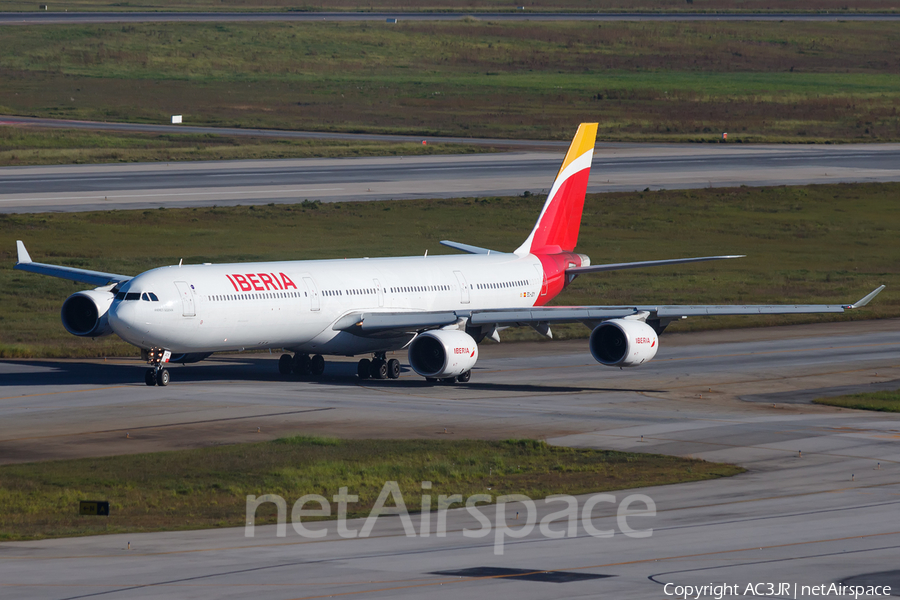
{"points": [[120, 196]]}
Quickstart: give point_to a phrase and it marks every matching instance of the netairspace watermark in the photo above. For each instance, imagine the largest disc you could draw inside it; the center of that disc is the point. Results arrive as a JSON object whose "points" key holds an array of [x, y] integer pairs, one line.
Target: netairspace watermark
{"points": [[503, 527], [780, 589]]}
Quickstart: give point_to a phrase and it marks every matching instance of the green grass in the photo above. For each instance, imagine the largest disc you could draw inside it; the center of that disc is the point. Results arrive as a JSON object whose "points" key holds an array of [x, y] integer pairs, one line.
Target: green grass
{"points": [[881, 401], [823, 243], [30, 146], [687, 81], [168, 491], [466, 6]]}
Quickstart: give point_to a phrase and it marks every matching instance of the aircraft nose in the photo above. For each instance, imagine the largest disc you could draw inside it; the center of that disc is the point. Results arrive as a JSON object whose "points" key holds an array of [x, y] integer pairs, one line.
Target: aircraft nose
{"points": [[123, 317]]}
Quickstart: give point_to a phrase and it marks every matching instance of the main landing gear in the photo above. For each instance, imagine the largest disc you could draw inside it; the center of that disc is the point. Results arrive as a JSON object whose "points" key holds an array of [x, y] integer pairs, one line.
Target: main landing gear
{"points": [[463, 378], [302, 365], [378, 368], [156, 374]]}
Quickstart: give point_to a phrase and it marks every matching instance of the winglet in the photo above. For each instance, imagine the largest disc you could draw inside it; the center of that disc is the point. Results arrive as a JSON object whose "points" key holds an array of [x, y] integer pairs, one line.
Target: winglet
{"points": [[23, 253], [865, 299]]}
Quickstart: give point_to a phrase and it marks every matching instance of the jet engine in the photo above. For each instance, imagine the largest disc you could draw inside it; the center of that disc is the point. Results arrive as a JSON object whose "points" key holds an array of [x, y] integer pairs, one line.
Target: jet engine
{"points": [[443, 353], [623, 343], [85, 313]]}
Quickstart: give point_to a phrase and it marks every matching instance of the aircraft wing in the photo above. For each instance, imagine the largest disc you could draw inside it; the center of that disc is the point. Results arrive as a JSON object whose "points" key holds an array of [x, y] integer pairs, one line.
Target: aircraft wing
{"points": [[97, 278], [383, 323]]}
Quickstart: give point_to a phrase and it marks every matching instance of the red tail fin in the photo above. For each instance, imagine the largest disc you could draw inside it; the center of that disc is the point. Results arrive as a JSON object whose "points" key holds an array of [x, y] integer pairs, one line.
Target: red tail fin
{"points": [[557, 228]]}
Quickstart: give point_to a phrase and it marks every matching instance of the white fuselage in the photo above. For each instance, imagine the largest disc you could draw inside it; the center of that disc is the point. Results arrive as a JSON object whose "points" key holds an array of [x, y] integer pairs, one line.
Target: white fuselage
{"points": [[293, 305]]}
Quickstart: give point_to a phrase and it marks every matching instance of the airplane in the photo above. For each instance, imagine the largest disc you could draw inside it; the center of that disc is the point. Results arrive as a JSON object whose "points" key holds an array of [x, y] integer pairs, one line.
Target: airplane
{"points": [[438, 308]]}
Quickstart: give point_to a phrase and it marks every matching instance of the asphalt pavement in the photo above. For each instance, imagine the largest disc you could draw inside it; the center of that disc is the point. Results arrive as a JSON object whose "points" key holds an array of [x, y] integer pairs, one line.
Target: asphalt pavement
{"points": [[615, 168], [817, 505]]}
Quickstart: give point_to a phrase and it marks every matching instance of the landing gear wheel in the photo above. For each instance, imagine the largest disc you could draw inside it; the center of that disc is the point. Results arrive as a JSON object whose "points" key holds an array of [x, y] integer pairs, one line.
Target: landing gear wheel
{"points": [[393, 368], [464, 378], [162, 378], [317, 365], [284, 364], [150, 377], [379, 369], [300, 364], [362, 368], [431, 379]]}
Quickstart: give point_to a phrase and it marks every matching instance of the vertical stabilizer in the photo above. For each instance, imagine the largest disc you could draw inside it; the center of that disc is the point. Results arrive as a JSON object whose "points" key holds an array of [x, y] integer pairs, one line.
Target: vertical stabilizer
{"points": [[557, 228]]}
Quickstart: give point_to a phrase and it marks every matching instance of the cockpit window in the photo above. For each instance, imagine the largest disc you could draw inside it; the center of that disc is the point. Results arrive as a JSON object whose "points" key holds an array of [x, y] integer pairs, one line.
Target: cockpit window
{"points": [[133, 296], [120, 296], [153, 297], [145, 297]]}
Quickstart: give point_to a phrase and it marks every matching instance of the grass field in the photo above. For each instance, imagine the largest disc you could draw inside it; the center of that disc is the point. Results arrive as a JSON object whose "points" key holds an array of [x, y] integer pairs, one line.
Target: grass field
{"points": [[469, 6], [790, 81], [880, 401], [167, 490], [30, 146], [828, 244]]}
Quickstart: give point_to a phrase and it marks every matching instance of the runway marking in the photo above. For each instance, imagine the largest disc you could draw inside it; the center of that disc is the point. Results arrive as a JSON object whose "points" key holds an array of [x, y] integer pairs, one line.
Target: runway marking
{"points": [[120, 429], [163, 195], [110, 387]]}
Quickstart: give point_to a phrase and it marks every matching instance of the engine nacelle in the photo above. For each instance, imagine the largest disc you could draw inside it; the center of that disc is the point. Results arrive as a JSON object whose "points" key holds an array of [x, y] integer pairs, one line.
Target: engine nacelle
{"points": [[623, 343], [85, 314], [443, 353]]}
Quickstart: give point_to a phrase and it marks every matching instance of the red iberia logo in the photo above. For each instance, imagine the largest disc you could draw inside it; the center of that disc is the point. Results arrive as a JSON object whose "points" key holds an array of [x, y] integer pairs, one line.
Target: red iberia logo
{"points": [[260, 282]]}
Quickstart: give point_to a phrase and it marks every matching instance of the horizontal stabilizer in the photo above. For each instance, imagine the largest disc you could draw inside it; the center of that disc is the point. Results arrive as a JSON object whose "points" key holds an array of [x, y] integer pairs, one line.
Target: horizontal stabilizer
{"points": [[866, 299], [467, 248], [646, 263], [97, 278]]}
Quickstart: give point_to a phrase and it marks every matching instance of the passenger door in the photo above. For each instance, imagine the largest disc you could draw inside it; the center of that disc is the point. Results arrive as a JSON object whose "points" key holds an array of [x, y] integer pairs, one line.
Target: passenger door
{"points": [[186, 291], [463, 287], [379, 291], [313, 292]]}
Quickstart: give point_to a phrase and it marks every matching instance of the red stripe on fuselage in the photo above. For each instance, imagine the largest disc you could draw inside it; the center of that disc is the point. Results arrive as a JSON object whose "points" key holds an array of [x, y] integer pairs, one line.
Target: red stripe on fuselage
{"points": [[555, 281]]}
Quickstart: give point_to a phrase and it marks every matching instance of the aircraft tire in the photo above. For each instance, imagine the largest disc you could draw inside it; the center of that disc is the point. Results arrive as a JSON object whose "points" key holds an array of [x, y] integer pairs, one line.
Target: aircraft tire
{"points": [[362, 368], [300, 365], [150, 377], [393, 369], [464, 378], [431, 379], [162, 378], [317, 365], [285, 362], [379, 369]]}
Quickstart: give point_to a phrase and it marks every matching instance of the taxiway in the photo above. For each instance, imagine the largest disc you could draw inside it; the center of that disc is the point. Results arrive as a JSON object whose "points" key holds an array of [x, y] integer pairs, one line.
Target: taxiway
{"points": [[817, 505], [624, 167]]}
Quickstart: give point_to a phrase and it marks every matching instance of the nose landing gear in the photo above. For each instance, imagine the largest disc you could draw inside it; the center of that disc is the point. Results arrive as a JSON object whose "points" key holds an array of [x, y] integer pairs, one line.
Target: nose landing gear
{"points": [[157, 374]]}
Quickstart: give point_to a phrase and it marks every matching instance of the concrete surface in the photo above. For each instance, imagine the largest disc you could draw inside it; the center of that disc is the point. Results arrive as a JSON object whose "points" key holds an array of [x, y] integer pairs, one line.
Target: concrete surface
{"points": [[826, 515], [615, 168]]}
